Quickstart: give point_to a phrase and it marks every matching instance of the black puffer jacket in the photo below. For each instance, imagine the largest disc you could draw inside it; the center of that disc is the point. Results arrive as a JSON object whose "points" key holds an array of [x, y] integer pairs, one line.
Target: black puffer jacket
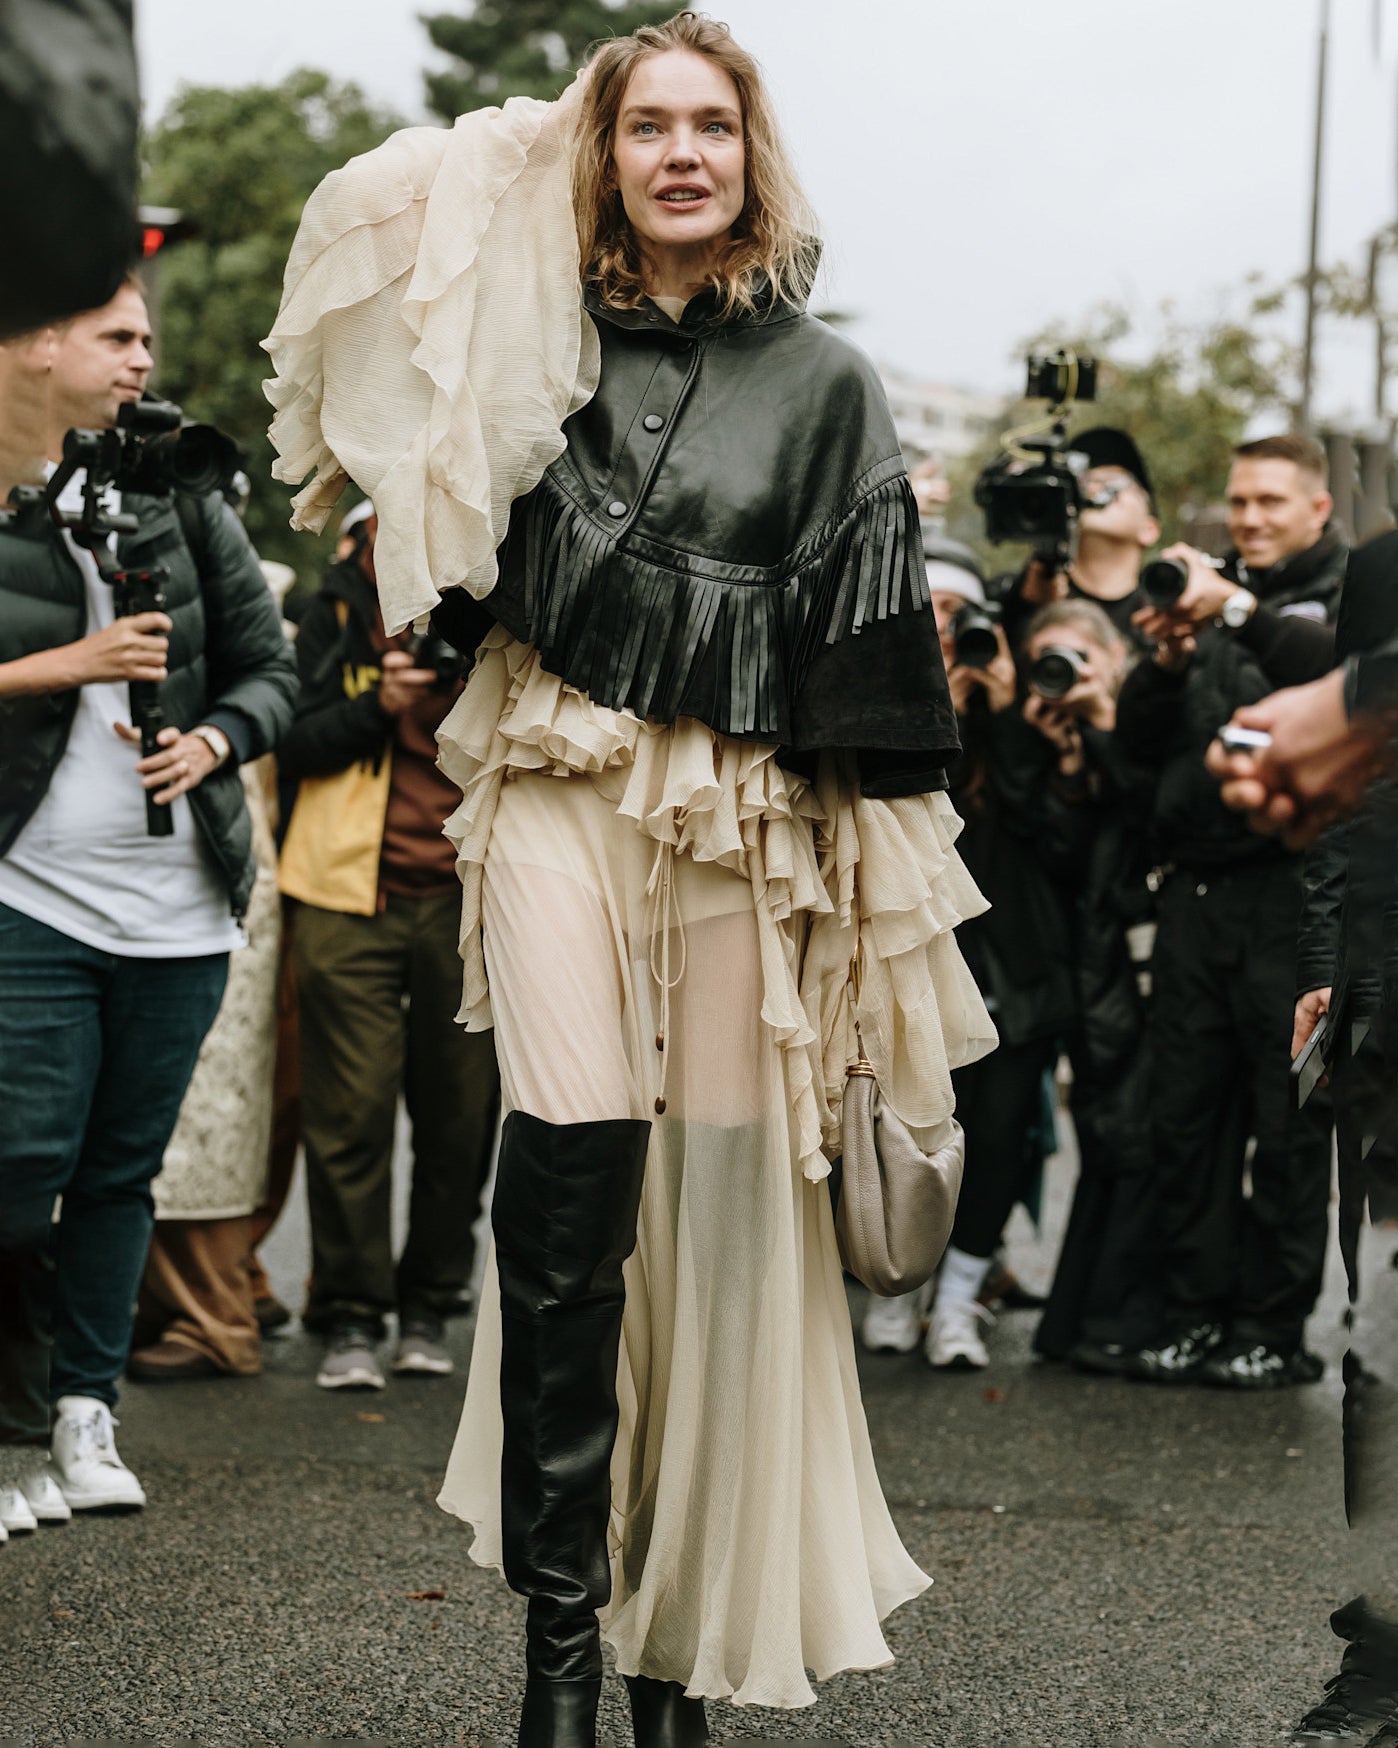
{"points": [[1166, 721], [229, 664]]}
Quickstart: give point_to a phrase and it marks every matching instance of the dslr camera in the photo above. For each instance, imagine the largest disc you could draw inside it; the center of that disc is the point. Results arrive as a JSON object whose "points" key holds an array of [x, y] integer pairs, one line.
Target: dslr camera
{"points": [[973, 634], [1054, 673], [152, 450], [1164, 580], [428, 650], [1031, 491]]}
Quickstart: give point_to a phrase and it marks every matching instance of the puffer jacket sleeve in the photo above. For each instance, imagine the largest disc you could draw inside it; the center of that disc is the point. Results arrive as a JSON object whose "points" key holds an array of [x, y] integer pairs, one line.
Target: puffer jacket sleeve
{"points": [[251, 670]]}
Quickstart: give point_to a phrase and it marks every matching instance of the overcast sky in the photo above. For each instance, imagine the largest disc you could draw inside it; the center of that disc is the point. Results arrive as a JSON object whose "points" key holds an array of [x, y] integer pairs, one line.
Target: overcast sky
{"points": [[981, 167]]}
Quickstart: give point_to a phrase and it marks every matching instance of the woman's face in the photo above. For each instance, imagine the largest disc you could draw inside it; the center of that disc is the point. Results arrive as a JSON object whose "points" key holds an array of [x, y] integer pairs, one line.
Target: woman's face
{"points": [[678, 152]]}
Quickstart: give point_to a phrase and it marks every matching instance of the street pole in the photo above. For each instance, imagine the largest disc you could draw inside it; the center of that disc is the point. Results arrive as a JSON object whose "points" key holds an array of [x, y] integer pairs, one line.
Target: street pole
{"points": [[1313, 262]]}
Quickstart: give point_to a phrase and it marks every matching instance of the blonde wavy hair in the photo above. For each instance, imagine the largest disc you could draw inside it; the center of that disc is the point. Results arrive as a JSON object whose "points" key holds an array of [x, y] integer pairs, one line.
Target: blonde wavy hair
{"points": [[774, 238]]}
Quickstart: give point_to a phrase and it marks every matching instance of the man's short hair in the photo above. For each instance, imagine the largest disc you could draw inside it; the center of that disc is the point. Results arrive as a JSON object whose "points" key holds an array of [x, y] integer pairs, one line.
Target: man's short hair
{"points": [[1303, 452]]}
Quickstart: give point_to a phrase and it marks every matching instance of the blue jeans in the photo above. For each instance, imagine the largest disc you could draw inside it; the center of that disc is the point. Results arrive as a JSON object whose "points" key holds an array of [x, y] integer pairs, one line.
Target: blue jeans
{"points": [[96, 1051]]}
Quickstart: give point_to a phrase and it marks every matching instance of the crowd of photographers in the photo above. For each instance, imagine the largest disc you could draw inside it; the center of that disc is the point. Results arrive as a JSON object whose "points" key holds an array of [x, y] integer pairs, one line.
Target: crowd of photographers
{"points": [[1089, 691]]}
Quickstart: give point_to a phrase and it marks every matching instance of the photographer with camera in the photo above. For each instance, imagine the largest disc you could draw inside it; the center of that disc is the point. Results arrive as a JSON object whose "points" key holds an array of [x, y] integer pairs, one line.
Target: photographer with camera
{"points": [[1089, 812], [123, 873], [374, 943], [1239, 1275], [1115, 527]]}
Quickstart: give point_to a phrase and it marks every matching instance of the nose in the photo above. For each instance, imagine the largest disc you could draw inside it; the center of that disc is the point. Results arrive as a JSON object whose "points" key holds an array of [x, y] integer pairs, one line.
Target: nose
{"points": [[684, 150]]}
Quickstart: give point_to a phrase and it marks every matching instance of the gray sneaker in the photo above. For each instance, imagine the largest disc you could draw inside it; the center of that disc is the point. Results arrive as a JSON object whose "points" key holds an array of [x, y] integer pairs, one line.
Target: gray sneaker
{"points": [[350, 1362], [420, 1353]]}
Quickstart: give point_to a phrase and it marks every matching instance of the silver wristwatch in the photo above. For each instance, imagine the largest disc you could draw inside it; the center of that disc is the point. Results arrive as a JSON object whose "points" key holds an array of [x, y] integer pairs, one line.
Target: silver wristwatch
{"points": [[1238, 609], [216, 741]]}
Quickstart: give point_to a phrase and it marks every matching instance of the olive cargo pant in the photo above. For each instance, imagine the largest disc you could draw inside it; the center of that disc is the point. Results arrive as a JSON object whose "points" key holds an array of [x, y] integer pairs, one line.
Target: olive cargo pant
{"points": [[379, 996]]}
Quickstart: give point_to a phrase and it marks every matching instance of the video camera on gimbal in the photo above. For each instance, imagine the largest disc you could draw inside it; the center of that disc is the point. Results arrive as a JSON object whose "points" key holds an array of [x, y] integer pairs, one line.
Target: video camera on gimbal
{"points": [[1032, 490], [153, 451]]}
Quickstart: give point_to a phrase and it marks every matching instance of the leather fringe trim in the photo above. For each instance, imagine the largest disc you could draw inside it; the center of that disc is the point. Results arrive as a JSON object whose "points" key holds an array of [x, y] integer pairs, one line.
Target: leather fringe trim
{"points": [[665, 642]]}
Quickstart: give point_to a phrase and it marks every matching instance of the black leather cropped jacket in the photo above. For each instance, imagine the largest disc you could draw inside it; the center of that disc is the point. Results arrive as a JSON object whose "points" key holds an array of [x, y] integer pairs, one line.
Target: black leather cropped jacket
{"points": [[730, 535]]}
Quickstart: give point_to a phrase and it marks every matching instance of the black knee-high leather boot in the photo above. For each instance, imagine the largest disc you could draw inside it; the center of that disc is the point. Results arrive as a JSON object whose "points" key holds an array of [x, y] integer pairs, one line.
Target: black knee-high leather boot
{"points": [[662, 1716], [564, 1216]]}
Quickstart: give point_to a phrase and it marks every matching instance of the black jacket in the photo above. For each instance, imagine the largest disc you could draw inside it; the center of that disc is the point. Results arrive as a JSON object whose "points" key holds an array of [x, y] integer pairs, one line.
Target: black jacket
{"points": [[1166, 720], [1349, 924], [730, 535], [229, 664], [1020, 952], [339, 721]]}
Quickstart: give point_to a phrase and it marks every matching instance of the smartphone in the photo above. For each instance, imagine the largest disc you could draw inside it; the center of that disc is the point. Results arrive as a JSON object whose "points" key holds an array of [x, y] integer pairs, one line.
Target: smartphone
{"points": [[1244, 740], [1312, 1061]]}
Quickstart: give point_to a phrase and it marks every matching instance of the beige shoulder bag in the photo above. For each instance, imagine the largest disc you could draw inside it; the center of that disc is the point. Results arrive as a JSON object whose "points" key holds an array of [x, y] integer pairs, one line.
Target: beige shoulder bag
{"points": [[896, 1203]]}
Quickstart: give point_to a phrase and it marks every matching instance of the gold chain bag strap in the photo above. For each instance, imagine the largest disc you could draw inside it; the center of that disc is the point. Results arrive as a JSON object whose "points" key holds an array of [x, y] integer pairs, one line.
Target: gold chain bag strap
{"points": [[896, 1203]]}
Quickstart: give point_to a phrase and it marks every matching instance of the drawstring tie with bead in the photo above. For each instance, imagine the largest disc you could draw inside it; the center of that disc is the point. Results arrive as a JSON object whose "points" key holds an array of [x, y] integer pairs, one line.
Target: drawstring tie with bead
{"points": [[660, 889]]}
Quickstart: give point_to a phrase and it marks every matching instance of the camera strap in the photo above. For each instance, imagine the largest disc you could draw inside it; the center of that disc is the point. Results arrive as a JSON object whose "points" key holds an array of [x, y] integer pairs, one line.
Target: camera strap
{"points": [[193, 530]]}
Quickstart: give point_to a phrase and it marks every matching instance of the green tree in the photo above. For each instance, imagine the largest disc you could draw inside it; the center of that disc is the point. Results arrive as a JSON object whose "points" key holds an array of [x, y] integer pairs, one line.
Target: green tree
{"points": [[241, 163], [522, 48], [1187, 395]]}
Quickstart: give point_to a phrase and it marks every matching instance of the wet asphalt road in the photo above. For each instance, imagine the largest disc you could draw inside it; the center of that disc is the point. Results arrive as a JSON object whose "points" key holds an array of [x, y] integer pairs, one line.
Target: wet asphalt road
{"points": [[1115, 1563]]}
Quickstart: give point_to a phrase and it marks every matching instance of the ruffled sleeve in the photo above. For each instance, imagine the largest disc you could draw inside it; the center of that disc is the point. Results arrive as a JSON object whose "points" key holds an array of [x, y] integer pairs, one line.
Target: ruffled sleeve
{"points": [[431, 341]]}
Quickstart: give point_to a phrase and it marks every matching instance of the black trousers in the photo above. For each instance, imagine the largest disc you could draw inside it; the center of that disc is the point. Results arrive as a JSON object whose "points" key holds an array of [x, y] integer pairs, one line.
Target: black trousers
{"points": [[1221, 1035], [997, 1104], [1104, 1289], [1364, 1088]]}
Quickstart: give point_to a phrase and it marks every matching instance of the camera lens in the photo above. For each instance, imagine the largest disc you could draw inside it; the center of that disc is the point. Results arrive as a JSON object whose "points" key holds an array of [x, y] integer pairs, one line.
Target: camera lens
{"points": [[1054, 674], [973, 637], [1163, 581]]}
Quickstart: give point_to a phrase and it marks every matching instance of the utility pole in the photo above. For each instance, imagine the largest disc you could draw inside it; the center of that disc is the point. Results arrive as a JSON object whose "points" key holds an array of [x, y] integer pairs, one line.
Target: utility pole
{"points": [[1313, 261]]}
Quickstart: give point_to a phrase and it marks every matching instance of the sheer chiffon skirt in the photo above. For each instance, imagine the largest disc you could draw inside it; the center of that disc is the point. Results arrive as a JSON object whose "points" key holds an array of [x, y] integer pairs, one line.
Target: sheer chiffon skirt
{"points": [[750, 1538]]}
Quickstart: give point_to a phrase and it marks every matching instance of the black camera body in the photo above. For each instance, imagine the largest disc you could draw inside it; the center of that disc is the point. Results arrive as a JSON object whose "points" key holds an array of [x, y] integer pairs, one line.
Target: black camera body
{"points": [[153, 451], [1031, 491], [973, 629], [429, 650]]}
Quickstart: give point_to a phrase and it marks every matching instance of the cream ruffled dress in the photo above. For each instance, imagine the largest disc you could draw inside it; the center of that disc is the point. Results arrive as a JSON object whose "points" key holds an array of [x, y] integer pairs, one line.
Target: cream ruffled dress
{"points": [[624, 881], [624, 878]]}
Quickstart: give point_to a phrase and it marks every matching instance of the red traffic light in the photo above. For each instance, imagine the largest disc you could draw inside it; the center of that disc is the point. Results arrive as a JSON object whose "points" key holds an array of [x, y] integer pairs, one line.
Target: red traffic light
{"points": [[162, 225]]}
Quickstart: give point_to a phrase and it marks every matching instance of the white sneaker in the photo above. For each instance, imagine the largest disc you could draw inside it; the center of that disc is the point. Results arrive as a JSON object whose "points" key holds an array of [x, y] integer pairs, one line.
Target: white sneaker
{"points": [[45, 1500], [954, 1338], [84, 1464], [893, 1325], [349, 1362], [15, 1514]]}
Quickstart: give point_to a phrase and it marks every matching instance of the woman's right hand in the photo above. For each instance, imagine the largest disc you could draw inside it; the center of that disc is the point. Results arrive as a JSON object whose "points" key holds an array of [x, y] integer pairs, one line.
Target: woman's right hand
{"points": [[132, 648]]}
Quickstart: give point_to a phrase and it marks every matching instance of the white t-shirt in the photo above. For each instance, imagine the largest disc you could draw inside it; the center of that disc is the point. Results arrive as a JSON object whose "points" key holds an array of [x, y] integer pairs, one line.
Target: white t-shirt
{"points": [[84, 864]]}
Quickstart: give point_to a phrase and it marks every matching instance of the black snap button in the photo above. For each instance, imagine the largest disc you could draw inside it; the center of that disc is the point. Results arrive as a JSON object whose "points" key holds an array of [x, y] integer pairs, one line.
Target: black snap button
{"points": [[616, 508], [652, 421]]}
